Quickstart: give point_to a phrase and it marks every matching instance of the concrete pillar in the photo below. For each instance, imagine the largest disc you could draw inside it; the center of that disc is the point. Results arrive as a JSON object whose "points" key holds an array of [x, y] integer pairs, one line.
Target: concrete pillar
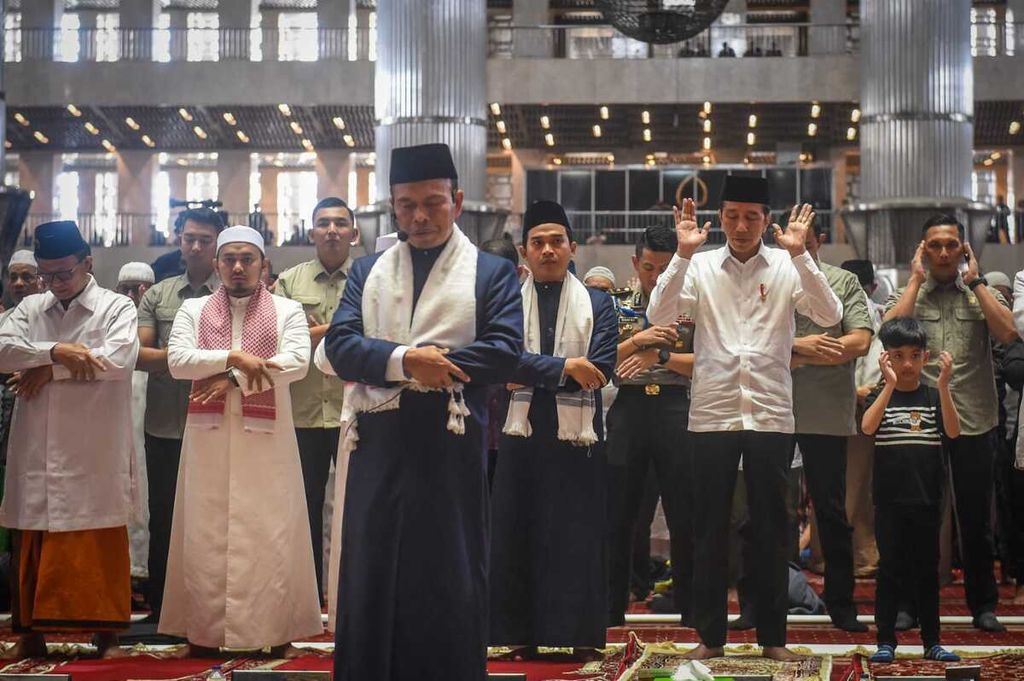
{"points": [[86, 191], [136, 171], [37, 173], [430, 84], [268, 196], [332, 167], [528, 41], [332, 18], [179, 37], [233, 171], [271, 38], [39, 21], [137, 20], [1016, 7], [828, 27], [916, 104], [235, 20]]}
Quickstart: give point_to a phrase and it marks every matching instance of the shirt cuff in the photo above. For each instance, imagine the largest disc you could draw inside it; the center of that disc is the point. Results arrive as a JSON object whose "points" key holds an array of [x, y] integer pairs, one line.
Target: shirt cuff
{"points": [[805, 260], [394, 371]]}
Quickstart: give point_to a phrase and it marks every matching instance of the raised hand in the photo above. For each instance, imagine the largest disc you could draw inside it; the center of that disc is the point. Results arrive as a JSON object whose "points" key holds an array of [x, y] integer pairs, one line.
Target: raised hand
{"points": [[794, 237], [210, 388], [77, 359], [585, 373], [917, 270], [428, 366], [256, 369], [888, 373], [690, 237], [945, 369], [972, 265]]}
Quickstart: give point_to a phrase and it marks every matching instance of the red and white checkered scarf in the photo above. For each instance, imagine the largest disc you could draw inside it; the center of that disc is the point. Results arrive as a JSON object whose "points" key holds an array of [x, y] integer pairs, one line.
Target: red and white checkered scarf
{"points": [[259, 337]]}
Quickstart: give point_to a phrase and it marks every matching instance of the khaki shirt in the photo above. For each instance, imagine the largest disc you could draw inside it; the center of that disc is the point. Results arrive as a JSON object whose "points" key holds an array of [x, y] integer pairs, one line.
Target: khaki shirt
{"points": [[825, 397], [955, 323], [167, 398], [631, 309], [316, 399]]}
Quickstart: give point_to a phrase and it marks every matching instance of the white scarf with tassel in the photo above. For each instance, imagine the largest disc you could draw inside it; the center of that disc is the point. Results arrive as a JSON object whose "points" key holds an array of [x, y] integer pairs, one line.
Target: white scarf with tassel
{"points": [[573, 329]]}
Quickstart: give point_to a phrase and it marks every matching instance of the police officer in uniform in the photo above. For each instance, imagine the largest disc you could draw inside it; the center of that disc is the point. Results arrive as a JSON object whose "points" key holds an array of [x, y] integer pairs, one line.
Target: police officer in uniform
{"points": [[647, 426]]}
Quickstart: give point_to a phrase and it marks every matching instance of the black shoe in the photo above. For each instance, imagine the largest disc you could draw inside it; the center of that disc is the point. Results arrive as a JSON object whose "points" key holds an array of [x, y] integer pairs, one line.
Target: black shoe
{"points": [[905, 621], [742, 623], [663, 604], [987, 621], [848, 621]]}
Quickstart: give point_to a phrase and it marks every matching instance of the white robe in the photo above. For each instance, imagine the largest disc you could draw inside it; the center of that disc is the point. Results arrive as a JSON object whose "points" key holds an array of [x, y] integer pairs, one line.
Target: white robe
{"points": [[240, 569], [138, 529]]}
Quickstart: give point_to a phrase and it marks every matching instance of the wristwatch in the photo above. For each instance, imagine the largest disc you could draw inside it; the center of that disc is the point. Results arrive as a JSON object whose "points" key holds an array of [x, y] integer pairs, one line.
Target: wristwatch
{"points": [[233, 377], [663, 356], [978, 281]]}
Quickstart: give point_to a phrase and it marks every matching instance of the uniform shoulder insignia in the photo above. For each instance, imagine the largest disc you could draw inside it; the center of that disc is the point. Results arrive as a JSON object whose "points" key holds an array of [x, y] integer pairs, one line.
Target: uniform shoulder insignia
{"points": [[620, 292]]}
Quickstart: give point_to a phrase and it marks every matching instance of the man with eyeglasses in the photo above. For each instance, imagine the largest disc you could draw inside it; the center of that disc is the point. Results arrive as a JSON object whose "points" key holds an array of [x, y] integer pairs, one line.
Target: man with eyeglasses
{"points": [[316, 399], [166, 398], [70, 480]]}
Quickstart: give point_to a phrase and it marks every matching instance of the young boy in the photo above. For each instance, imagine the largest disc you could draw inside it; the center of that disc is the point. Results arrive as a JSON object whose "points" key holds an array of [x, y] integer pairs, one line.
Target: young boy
{"points": [[909, 420]]}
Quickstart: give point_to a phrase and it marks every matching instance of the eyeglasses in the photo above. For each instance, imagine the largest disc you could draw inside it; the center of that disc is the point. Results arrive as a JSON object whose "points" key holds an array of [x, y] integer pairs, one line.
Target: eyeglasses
{"points": [[60, 275]]}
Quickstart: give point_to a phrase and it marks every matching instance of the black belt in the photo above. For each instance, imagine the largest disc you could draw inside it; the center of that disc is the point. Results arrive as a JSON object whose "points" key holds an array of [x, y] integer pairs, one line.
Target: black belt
{"points": [[656, 390]]}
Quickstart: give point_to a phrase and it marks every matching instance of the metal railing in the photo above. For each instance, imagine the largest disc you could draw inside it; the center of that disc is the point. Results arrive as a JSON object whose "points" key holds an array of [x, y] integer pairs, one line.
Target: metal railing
{"points": [[625, 227], [189, 44], [724, 41]]}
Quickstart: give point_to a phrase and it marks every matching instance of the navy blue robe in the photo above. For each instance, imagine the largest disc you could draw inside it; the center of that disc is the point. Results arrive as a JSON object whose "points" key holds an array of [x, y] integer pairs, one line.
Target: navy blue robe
{"points": [[549, 575], [412, 598]]}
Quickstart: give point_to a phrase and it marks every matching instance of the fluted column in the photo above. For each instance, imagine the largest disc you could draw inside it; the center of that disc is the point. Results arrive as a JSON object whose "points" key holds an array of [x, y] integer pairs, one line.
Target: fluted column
{"points": [[430, 84], [917, 103]]}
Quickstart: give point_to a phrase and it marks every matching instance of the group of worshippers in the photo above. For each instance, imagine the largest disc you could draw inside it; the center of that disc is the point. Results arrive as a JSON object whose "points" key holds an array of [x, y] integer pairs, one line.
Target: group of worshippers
{"points": [[433, 556]]}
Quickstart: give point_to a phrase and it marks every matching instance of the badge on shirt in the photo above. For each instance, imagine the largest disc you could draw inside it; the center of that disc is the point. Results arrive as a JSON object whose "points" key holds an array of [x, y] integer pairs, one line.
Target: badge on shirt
{"points": [[915, 421]]}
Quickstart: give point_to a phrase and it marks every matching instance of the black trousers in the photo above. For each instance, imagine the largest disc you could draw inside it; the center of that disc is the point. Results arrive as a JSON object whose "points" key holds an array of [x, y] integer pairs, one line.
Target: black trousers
{"points": [[825, 471], [317, 448], [640, 572], [1010, 510], [908, 566], [162, 458], [972, 464], [716, 457], [645, 431]]}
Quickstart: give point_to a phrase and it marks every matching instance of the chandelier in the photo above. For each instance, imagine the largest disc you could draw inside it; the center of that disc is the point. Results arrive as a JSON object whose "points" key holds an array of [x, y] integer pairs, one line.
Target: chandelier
{"points": [[661, 21]]}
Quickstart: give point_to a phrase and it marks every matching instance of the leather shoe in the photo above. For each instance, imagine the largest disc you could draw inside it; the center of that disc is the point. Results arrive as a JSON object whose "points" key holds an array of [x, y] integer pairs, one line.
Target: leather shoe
{"points": [[849, 622], [905, 621], [742, 623], [987, 621]]}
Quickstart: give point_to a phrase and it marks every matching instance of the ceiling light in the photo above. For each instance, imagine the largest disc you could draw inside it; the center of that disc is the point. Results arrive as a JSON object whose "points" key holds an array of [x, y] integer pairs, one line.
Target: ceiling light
{"points": [[148, 141], [549, 139], [855, 115], [987, 162], [557, 161], [242, 137], [707, 142], [41, 137], [74, 110], [996, 156], [751, 139], [707, 107], [597, 131], [812, 129], [200, 133], [804, 157], [296, 128], [284, 109], [229, 118], [92, 129], [1014, 127], [7, 144], [645, 117], [545, 122], [501, 127], [130, 122], [21, 118], [307, 145], [706, 159], [707, 125], [815, 110], [651, 162], [349, 140], [746, 160], [108, 146], [339, 123], [610, 158], [495, 108], [604, 113], [506, 143], [183, 112], [851, 133], [647, 134], [752, 121]]}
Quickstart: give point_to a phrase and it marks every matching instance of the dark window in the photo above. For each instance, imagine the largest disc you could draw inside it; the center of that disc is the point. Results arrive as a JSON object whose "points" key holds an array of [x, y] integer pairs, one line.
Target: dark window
{"points": [[541, 185], [576, 190], [643, 189], [610, 190]]}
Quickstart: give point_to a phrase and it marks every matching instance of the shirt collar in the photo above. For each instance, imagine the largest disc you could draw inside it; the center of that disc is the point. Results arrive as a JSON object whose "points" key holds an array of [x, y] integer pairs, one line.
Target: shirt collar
{"points": [[725, 255], [321, 271], [87, 298], [212, 282], [930, 284]]}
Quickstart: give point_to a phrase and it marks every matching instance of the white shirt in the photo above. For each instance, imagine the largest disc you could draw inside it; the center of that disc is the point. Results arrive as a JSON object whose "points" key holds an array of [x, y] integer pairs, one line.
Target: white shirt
{"points": [[69, 463], [743, 331]]}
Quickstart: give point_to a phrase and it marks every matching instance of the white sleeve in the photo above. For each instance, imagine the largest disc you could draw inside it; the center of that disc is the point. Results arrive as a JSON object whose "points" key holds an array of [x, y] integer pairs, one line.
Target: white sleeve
{"points": [[120, 345], [17, 353], [815, 298], [674, 294], [184, 358], [1018, 302]]}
